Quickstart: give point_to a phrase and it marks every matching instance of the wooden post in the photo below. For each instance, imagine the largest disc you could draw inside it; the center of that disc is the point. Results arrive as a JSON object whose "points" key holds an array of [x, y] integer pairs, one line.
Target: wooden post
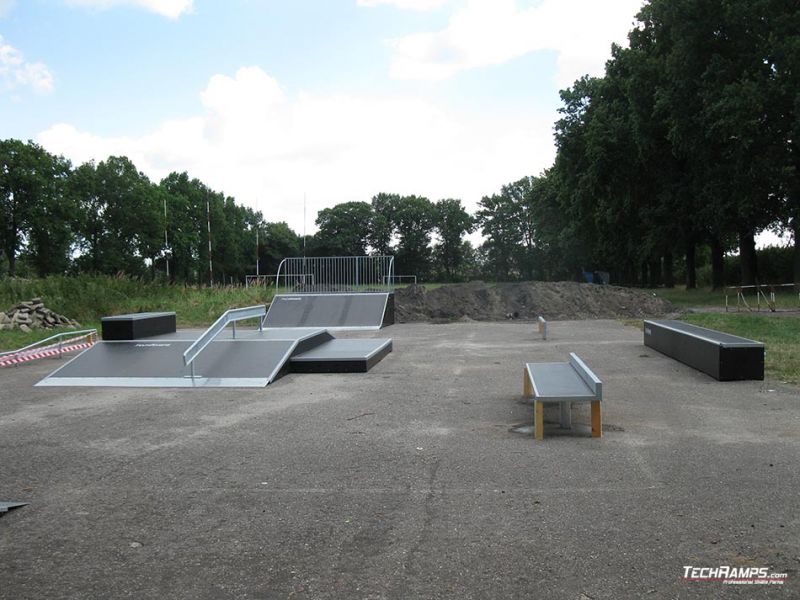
{"points": [[527, 388], [538, 420], [597, 420]]}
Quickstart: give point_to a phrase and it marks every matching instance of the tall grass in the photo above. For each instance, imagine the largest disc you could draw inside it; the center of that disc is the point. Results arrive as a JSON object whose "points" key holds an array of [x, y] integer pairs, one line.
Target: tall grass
{"points": [[683, 298], [88, 298]]}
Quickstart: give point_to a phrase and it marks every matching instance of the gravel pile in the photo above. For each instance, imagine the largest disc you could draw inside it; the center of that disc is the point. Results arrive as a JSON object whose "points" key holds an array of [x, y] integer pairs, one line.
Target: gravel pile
{"points": [[33, 315]]}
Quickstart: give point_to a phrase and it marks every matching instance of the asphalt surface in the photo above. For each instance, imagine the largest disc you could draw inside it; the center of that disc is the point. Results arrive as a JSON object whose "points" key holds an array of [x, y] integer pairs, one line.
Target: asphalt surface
{"points": [[405, 482]]}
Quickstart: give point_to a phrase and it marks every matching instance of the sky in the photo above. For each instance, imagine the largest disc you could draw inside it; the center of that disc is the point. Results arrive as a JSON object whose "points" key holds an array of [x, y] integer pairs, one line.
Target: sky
{"points": [[335, 100]]}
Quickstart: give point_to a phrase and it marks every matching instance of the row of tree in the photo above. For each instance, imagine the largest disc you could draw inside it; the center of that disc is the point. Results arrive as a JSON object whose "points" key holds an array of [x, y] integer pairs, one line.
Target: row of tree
{"points": [[110, 218], [690, 139]]}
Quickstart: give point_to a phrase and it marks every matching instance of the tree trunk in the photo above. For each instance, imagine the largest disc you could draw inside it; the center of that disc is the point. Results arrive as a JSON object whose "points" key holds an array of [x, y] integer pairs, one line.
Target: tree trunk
{"points": [[691, 267], [655, 272], [643, 274], [747, 256], [717, 264], [796, 231], [11, 248], [669, 270], [12, 263]]}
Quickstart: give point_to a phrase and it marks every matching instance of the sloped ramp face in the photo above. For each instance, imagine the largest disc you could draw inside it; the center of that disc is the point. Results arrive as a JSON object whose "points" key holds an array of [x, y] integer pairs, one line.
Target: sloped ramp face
{"points": [[351, 312], [250, 362]]}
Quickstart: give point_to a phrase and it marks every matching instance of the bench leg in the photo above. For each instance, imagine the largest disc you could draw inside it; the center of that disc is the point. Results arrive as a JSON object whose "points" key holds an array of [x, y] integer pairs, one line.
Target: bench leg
{"points": [[538, 420], [527, 388], [566, 415], [597, 420]]}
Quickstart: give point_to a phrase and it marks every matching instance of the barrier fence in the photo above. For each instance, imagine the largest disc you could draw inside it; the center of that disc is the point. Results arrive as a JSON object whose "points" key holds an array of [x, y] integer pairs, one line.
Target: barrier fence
{"points": [[55, 345], [335, 275], [763, 293]]}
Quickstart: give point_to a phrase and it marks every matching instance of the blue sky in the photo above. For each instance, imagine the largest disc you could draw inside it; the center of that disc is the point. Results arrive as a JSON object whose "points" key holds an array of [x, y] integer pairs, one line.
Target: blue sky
{"points": [[339, 99]]}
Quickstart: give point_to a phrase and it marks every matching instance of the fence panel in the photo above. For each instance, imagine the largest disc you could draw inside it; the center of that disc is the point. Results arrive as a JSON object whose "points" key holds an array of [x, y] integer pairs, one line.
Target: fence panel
{"points": [[335, 274]]}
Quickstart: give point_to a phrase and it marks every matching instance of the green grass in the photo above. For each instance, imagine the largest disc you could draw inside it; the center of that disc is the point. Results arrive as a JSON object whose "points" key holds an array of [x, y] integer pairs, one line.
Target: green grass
{"points": [[88, 298], [781, 336], [683, 298]]}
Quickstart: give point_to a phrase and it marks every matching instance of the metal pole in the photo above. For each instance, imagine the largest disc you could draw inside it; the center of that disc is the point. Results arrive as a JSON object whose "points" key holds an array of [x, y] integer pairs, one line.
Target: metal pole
{"points": [[166, 240], [210, 264], [258, 273]]}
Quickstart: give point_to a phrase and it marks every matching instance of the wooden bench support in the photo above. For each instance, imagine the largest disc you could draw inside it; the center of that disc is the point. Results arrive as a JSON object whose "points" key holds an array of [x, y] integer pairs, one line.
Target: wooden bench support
{"points": [[527, 387], [597, 420], [538, 420]]}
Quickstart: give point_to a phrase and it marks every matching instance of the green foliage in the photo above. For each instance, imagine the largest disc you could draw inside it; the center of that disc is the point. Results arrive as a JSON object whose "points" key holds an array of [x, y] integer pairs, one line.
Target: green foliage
{"points": [[36, 212], [452, 222], [510, 221], [780, 335], [689, 139], [344, 229], [88, 298], [278, 242]]}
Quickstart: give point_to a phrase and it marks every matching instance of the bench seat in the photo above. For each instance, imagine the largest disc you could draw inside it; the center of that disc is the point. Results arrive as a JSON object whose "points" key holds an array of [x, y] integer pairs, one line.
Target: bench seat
{"points": [[563, 383]]}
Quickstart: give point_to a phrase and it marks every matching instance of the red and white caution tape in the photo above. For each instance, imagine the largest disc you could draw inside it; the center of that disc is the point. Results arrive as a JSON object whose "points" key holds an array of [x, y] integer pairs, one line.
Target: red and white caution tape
{"points": [[22, 357]]}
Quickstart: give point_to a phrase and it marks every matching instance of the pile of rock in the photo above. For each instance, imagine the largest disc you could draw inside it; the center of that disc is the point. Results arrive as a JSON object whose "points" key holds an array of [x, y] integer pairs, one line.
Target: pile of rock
{"points": [[33, 315]]}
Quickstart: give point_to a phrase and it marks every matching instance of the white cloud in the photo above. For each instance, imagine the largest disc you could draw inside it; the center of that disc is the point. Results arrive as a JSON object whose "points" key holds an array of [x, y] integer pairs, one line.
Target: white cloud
{"points": [[267, 148], [16, 72], [405, 4], [492, 32], [167, 8]]}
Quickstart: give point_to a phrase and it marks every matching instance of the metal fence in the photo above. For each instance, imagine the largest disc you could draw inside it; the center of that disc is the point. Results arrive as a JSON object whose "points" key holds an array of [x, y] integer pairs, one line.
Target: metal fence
{"points": [[335, 274], [259, 281], [401, 279], [765, 293]]}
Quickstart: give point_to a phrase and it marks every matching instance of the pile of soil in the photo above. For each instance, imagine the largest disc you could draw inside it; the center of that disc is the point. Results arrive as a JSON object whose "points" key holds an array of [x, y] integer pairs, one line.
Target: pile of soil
{"points": [[527, 300]]}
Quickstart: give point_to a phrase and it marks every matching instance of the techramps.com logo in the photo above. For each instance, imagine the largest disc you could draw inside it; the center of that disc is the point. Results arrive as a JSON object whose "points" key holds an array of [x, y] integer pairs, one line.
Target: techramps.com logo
{"points": [[728, 575]]}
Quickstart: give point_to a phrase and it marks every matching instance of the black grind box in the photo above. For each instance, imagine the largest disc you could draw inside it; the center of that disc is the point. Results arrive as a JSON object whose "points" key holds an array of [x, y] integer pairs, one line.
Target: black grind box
{"points": [[724, 356], [138, 325]]}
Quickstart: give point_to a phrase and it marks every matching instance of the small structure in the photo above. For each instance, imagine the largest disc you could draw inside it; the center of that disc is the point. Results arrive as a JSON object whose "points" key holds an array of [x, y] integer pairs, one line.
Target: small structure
{"points": [[542, 327], [724, 356], [562, 383], [138, 325]]}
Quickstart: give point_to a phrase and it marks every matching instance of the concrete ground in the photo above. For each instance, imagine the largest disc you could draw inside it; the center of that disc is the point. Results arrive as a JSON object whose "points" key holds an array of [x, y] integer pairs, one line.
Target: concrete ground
{"points": [[406, 482]]}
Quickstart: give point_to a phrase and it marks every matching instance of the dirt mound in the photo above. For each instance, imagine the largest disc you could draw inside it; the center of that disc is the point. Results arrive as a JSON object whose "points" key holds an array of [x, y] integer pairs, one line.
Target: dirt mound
{"points": [[528, 300]]}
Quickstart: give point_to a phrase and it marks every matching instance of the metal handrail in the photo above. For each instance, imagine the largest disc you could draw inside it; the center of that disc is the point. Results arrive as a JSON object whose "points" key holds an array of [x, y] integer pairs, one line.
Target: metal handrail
{"points": [[231, 316], [58, 336]]}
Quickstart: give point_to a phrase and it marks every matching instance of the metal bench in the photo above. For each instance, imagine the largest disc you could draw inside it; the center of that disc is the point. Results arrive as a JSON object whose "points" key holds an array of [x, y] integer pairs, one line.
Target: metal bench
{"points": [[563, 383]]}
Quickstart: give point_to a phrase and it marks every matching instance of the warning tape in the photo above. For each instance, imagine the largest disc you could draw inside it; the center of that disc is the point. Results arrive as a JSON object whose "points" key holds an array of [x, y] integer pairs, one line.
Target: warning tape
{"points": [[16, 359]]}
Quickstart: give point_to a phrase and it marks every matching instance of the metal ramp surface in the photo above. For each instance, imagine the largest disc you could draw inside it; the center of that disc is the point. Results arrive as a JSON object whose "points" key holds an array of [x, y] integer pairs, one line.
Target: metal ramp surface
{"points": [[356, 311], [341, 356], [252, 359]]}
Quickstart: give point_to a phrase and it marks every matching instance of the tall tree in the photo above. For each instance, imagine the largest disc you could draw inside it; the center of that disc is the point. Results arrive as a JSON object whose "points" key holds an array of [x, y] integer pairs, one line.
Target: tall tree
{"points": [[452, 222], [34, 210], [413, 219], [344, 230], [121, 217]]}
